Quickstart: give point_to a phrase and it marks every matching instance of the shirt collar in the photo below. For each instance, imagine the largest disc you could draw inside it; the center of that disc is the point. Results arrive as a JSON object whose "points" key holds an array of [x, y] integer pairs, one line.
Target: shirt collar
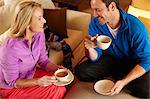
{"points": [[26, 42], [124, 24]]}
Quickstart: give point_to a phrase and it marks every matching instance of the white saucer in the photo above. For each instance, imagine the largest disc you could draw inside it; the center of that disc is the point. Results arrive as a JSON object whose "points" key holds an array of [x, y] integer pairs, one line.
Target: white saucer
{"points": [[70, 78], [103, 86]]}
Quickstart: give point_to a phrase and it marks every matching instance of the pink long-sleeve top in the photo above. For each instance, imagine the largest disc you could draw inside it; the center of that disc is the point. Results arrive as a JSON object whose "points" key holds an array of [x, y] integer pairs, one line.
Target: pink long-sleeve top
{"points": [[18, 60]]}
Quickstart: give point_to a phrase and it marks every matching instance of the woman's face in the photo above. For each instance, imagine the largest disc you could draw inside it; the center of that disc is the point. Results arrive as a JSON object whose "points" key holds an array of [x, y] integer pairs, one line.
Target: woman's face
{"points": [[37, 22]]}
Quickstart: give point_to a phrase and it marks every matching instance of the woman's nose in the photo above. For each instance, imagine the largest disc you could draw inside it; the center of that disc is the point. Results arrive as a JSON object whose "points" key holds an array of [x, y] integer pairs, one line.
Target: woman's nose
{"points": [[44, 21]]}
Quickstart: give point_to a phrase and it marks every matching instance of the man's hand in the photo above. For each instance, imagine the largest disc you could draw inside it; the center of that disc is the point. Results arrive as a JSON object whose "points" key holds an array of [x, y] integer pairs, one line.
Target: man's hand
{"points": [[89, 44], [90, 41], [117, 87]]}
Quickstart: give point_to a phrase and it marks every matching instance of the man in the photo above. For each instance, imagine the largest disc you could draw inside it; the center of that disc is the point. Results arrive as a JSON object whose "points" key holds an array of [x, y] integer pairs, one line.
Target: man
{"points": [[127, 60]]}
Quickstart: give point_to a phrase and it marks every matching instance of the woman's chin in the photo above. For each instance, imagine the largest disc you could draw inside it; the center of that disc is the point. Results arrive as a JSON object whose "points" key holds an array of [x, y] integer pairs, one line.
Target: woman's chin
{"points": [[42, 30]]}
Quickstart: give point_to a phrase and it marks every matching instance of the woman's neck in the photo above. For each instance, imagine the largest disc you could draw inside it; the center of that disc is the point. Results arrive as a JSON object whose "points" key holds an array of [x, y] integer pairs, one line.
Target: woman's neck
{"points": [[29, 36]]}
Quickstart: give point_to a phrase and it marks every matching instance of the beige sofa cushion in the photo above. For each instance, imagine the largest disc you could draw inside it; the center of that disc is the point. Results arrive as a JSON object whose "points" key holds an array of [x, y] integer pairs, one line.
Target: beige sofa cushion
{"points": [[45, 3], [56, 56], [138, 12], [6, 11], [141, 4], [4, 36], [1, 3], [74, 38], [5, 18]]}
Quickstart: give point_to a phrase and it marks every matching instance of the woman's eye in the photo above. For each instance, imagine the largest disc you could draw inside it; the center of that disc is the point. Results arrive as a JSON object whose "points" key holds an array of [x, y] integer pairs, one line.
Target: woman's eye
{"points": [[40, 18]]}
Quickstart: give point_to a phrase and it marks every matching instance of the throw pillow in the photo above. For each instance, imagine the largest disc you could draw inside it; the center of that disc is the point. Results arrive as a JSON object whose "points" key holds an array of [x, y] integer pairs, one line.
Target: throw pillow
{"points": [[146, 22], [141, 4], [6, 11], [5, 18], [47, 4], [1, 2], [138, 12], [56, 21]]}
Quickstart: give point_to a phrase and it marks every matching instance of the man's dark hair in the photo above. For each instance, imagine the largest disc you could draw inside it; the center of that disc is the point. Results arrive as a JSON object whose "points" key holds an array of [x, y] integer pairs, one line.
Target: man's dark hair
{"points": [[107, 2]]}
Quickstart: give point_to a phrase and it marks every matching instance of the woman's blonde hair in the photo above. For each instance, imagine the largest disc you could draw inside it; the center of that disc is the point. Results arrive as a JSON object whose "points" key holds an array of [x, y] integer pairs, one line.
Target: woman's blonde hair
{"points": [[22, 18]]}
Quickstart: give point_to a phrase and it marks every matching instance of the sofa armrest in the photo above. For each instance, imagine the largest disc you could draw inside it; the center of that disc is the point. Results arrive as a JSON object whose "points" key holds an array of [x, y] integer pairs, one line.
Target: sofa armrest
{"points": [[1, 3], [78, 21]]}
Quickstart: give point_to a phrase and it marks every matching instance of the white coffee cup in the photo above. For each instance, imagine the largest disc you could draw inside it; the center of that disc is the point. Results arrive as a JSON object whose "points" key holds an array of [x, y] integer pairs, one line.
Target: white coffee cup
{"points": [[62, 75], [103, 42]]}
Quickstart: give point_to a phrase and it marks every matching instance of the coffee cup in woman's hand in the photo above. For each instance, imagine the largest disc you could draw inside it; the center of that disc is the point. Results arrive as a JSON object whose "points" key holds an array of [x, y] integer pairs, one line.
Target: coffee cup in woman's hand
{"points": [[62, 75]]}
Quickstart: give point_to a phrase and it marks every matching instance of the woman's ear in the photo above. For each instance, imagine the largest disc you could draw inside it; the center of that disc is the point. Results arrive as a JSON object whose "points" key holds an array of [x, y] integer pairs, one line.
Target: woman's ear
{"points": [[28, 28]]}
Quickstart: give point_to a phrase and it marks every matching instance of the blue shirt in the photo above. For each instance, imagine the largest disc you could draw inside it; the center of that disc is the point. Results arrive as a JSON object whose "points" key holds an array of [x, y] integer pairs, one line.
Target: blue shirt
{"points": [[131, 42]]}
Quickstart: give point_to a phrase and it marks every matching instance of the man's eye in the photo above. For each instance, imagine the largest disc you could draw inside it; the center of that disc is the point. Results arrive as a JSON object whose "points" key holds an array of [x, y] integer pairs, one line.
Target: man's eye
{"points": [[98, 10]]}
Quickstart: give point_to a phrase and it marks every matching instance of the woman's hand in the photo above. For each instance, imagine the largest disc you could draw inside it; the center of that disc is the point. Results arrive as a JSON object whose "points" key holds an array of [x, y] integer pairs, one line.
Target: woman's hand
{"points": [[117, 88], [46, 80], [60, 67]]}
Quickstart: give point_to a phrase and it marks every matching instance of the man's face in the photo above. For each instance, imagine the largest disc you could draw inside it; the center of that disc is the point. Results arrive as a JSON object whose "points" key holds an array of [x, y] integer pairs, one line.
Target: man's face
{"points": [[100, 11]]}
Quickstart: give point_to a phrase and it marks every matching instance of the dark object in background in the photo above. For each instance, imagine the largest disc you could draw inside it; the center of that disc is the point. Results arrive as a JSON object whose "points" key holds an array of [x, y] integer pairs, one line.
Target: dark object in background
{"points": [[56, 21], [57, 43]]}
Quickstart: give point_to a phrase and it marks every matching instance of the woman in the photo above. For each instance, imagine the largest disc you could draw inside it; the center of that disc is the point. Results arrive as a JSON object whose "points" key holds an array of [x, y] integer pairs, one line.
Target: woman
{"points": [[23, 48]]}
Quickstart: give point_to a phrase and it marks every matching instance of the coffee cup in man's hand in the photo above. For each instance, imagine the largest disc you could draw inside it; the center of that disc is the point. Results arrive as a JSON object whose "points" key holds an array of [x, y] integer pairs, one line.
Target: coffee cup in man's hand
{"points": [[103, 42]]}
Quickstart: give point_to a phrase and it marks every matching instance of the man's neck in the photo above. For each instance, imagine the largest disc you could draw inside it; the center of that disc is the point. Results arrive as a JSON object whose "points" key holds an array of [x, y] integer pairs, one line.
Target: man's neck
{"points": [[115, 21]]}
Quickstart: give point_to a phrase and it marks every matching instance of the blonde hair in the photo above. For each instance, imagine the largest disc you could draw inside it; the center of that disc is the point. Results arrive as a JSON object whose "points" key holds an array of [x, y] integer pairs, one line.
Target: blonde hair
{"points": [[22, 18]]}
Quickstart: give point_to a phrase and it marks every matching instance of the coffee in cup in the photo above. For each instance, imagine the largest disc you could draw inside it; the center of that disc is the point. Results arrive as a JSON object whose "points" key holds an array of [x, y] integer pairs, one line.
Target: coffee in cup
{"points": [[103, 42], [62, 75]]}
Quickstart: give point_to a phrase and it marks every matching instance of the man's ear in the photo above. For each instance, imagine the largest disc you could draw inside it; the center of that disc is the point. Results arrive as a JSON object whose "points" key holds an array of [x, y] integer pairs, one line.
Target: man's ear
{"points": [[112, 6]]}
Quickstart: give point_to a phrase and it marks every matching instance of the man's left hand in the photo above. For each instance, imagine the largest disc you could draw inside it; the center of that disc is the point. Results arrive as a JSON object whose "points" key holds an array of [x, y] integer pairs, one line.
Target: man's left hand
{"points": [[117, 88]]}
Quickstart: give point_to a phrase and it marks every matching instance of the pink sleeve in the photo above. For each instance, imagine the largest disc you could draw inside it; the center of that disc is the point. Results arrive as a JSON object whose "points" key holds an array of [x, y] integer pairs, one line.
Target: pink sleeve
{"points": [[9, 65]]}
